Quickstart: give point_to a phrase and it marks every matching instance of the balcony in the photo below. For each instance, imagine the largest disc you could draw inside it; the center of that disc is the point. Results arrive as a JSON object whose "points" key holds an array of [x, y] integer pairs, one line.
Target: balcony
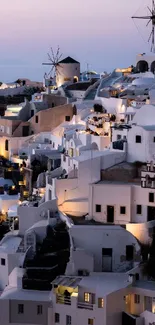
{"points": [[61, 299], [147, 181], [149, 168], [85, 305]]}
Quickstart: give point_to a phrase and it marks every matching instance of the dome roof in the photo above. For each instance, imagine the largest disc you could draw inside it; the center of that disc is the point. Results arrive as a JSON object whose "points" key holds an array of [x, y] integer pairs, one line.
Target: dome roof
{"points": [[145, 115]]}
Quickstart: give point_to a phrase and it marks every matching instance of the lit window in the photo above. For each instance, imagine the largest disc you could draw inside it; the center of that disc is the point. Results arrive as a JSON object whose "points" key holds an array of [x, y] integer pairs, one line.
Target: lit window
{"points": [[100, 302], [90, 321], [137, 299], [126, 298], [87, 297]]}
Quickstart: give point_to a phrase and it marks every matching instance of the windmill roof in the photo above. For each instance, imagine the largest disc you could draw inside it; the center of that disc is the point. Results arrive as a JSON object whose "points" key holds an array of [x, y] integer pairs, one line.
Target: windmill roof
{"points": [[68, 59]]}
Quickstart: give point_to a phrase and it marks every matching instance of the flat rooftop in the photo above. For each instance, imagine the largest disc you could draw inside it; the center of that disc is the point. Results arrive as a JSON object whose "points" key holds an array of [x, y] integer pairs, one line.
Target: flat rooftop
{"points": [[147, 285], [129, 183]]}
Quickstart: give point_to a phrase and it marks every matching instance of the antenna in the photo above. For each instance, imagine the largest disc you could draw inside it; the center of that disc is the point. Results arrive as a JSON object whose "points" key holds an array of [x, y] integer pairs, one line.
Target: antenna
{"points": [[150, 19]]}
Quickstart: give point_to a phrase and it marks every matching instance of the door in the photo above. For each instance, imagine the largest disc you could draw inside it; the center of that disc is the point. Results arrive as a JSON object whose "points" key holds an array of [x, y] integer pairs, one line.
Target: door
{"points": [[110, 214], [129, 253], [25, 130], [148, 303], [106, 259], [150, 213]]}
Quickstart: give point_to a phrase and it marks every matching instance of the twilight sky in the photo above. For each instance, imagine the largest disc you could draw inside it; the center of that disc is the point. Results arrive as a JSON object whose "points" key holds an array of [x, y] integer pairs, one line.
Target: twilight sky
{"points": [[98, 32]]}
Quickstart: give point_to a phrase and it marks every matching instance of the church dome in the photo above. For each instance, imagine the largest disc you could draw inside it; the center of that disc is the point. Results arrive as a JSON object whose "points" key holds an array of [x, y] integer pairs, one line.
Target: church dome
{"points": [[145, 115]]}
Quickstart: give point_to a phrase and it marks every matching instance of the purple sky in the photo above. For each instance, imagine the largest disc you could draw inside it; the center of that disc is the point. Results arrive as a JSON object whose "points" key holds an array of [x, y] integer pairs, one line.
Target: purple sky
{"points": [[98, 32]]}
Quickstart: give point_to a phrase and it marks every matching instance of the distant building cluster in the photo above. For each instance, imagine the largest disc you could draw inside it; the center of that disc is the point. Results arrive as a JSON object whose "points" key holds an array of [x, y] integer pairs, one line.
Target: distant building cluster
{"points": [[77, 200]]}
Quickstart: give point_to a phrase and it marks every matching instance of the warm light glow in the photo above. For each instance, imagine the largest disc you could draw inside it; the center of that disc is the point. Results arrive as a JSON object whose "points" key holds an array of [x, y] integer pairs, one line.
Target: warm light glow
{"points": [[125, 70], [87, 297], [13, 187]]}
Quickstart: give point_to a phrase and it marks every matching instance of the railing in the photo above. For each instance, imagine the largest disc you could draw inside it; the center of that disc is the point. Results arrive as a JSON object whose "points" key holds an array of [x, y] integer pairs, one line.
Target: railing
{"points": [[85, 305], [60, 299]]}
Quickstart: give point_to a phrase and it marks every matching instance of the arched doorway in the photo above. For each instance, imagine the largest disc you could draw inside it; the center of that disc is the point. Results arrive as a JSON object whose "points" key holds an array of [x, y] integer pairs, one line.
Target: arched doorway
{"points": [[153, 67], [142, 66], [94, 146], [75, 79]]}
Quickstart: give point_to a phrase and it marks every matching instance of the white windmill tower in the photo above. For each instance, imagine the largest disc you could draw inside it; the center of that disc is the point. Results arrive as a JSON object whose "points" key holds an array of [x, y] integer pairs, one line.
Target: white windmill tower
{"points": [[50, 77]]}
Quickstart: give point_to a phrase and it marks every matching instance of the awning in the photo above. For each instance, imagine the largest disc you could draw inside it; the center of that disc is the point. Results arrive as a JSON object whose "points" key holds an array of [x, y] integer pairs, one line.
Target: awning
{"points": [[65, 281]]}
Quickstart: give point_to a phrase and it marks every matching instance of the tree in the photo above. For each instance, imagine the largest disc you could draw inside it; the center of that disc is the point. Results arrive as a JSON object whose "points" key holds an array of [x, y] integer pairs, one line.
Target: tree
{"points": [[149, 266], [18, 81]]}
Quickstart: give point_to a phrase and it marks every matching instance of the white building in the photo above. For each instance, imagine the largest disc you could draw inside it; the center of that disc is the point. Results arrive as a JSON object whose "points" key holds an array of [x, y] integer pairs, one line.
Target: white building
{"points": [[105, 253]]}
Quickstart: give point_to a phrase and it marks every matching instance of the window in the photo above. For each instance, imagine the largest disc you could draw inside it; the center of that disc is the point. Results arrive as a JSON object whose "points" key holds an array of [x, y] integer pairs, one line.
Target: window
{"points": [[57, 318], [98, 208], [122, 210], [153, 139], [137, 299], [67, 118], [90, 321], [39, 310], [139, 209], [129, 253], [32, 112], [118, 136], [2, 261], [36, 118], [20, 309], [6, 145], [2, 128], [68, 320], [100, 302], [87, 297], [138, 139], [50, 195], [151, 197]]}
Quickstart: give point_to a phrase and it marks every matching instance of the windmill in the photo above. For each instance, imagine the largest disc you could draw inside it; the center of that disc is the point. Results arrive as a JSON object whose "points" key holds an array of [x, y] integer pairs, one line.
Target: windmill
{"points": [[54, 63], [150, 19]]}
